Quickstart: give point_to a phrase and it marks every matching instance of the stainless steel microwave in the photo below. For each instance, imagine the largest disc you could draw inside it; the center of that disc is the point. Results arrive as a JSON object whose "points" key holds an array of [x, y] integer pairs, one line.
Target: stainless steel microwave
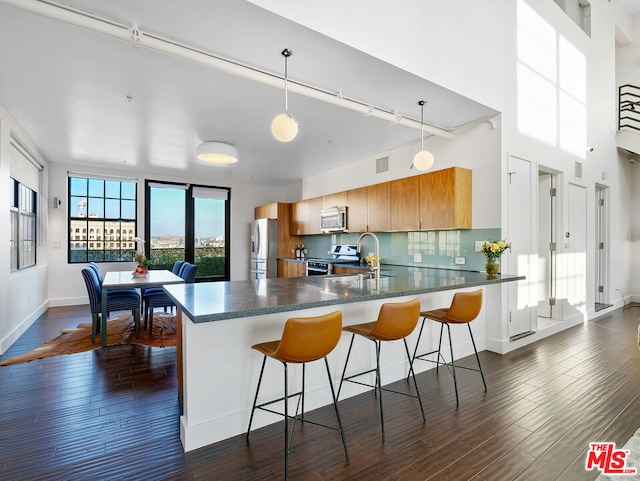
{"points": [[333, 220]]}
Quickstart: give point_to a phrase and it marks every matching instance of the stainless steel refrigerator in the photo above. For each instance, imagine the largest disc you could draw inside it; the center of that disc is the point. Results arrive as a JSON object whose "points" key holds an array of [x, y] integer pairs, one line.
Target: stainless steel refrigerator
{"points": [[264, 248]]}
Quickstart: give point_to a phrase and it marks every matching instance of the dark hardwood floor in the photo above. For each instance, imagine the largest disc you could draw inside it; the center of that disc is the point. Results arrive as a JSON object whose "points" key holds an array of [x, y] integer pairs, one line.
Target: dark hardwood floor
{"points": [[113, 414]]}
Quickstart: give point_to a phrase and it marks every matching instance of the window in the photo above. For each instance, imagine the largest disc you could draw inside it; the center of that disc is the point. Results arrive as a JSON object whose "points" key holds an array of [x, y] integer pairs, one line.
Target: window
{"points": [[100, 206], [186, 222], [23, 226]]}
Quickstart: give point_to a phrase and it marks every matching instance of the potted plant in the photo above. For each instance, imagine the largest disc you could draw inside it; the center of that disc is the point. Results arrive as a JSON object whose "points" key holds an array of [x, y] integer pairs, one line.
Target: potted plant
{"points": [[492, 251], [142, 263]]}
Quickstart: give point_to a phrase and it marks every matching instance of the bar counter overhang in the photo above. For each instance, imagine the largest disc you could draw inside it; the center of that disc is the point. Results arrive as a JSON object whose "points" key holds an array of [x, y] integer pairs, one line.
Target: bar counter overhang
{"points": [[219, 321]]}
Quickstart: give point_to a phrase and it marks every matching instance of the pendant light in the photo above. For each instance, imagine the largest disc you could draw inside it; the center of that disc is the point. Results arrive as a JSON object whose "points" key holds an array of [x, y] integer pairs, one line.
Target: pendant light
{"points": [[423, 160], [284, 127]]}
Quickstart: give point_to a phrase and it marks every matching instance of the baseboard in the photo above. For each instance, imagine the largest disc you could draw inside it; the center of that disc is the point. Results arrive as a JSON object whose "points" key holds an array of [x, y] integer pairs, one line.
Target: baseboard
{"points": [[68, 301], [13, 336], [506, 345]]}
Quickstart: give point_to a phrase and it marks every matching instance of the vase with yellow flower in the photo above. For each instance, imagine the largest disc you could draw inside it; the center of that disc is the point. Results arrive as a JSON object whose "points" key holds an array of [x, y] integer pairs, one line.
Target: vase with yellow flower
{"points": [[493, 250]]}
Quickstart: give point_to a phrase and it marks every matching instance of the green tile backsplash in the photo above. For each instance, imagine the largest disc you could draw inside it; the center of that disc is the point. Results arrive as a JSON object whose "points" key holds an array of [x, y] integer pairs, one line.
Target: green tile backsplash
{"points": [[423, 248]]}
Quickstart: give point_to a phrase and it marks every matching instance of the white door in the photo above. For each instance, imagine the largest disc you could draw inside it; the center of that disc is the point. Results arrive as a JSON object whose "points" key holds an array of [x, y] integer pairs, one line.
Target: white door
{"points": [[522, 301], [572, 275]]}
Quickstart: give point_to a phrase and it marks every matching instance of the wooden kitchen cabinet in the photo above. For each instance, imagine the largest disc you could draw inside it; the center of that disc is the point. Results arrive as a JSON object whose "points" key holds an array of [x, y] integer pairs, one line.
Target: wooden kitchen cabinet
{"points": [[446, 199], [268, 211], [291, 269], [356, 203], [299, 220], [405, 203], [305, 217], [348, 270], [378, 208], [338, 199]]}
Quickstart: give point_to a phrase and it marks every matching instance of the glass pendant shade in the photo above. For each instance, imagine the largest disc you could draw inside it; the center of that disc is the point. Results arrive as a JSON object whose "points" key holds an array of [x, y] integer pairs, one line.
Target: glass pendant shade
{"points": [[217, 153], [423, 160], [284, 127]]}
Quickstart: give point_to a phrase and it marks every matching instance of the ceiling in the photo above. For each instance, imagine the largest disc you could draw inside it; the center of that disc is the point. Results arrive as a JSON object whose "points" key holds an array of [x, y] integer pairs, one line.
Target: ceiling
{"points": [[632, 5], [90, 99]]}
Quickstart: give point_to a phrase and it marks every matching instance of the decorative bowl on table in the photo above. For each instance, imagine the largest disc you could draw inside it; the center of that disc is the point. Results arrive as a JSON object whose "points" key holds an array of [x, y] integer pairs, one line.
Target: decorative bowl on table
{"points": [[140, 273]]}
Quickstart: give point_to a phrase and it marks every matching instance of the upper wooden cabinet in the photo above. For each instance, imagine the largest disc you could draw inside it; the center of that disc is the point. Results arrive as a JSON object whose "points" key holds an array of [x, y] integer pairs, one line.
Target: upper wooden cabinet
{"points": [[305, 217], [405, 203], [338, 199], [435, 200], [268, 211], [357, 209], [378, 207], [446, 199]]}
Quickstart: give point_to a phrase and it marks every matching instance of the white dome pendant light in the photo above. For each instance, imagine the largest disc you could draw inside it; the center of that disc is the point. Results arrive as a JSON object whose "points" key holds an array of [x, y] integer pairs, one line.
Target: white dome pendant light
{"points": [[284, 127], [423, 160]]}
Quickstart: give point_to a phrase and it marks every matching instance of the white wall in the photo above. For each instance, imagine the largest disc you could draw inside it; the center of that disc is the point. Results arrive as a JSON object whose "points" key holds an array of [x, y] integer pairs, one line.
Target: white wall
{"points": [[244, 198], [23, 294]]}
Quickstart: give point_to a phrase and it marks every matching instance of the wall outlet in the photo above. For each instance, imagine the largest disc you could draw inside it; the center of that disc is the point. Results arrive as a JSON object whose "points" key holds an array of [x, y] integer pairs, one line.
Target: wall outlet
{"points": [[460, 260], [479, 246], [417, 257]]}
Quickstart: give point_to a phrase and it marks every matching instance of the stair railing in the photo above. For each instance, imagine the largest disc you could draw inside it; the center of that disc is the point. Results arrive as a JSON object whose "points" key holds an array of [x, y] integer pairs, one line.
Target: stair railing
{"points": [[629, 107]]}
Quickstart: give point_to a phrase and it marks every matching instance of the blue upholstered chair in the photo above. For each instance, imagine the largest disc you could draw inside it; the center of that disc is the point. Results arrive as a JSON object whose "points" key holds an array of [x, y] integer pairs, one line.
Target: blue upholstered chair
{"points": [[116, 292], [176, 270], [156, 297], [116, 301]]}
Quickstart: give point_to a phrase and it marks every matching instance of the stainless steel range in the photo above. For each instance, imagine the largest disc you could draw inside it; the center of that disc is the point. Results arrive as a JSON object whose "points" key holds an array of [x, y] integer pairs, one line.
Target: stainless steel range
{"points": [[340, 254]]}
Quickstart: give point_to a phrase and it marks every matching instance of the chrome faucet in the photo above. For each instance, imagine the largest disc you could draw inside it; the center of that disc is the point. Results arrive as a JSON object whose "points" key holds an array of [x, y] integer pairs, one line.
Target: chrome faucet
{"points": [[375, 265]]}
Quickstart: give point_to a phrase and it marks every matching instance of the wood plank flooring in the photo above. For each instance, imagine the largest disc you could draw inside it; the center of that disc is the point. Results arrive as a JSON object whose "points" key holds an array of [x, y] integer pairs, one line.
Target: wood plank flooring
{"points": [[113, 414]]}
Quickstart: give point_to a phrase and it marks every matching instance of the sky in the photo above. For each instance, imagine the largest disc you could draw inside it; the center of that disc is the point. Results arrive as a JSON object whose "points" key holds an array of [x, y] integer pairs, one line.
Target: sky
{"points": [[168, 216]]}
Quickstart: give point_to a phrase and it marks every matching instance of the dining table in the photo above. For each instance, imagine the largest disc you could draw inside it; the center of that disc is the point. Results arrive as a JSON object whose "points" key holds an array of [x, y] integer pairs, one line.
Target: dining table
{"points": [[126, 280]]}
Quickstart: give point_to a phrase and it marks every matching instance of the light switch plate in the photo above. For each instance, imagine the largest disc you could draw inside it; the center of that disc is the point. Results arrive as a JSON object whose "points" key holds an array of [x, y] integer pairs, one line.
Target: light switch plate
{"points": [[417, 257], [460, 260], [479, 246]]}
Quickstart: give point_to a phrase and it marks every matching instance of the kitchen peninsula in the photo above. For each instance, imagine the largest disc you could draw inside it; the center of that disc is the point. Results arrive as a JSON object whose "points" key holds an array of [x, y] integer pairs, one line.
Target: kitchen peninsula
{"points": [[218, 323]]}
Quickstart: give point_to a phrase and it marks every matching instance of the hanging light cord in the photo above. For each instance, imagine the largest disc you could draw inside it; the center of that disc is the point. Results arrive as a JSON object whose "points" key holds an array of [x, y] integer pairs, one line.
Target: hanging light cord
{"points": [[286, 53], [421, 103]]}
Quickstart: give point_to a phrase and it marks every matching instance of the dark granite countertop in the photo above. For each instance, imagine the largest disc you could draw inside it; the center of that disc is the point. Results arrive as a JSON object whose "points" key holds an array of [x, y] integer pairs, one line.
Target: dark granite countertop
{"points": [[216, 301]]}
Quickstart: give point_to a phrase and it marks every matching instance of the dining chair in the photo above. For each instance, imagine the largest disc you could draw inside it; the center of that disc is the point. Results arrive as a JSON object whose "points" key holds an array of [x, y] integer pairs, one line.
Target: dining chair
{"points": [[116, 301], [156, 297], [175, 270]]}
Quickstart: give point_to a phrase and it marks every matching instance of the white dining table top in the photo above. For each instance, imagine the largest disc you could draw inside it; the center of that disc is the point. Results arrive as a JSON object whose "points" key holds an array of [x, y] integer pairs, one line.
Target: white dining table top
{"points": [[126, 279]]}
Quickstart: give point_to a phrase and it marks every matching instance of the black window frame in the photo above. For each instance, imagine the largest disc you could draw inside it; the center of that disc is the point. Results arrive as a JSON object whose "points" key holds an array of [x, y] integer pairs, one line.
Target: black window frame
{"points": [[24, 205], [189, 224], [127, 247]]}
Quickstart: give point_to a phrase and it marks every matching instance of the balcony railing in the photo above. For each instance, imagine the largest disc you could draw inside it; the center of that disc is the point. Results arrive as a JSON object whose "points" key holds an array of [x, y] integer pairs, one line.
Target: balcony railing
{"points": [[629, 107], [210, 260]]}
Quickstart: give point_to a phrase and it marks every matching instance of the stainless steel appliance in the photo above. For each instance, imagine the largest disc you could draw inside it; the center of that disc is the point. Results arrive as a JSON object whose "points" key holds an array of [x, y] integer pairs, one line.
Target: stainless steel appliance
{"points": [[264, 248], [333, 220], [340, 254]]}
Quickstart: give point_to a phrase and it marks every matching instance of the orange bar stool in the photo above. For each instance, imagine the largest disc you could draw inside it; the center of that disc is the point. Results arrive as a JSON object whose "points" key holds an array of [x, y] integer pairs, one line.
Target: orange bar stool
{"points": [[396, 320], [304, 339], [464, 308]]}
